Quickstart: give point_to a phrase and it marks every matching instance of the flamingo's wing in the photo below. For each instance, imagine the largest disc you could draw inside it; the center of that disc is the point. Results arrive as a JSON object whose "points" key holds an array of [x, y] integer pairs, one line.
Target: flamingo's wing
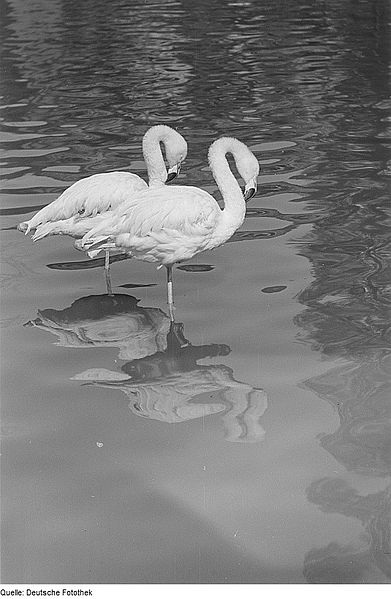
{"points": [[179, 208], [75, 226], [88, 197], [162, 225]]}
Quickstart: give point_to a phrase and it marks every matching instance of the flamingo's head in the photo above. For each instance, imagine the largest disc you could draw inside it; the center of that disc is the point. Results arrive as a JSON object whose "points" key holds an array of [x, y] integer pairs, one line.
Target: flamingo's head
{"points": [[248, 167], [176, 152], [246, 163]]}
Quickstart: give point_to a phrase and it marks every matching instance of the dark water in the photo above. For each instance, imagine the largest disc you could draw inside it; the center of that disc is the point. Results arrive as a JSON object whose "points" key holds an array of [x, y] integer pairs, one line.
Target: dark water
{"points": [[253, 442]]}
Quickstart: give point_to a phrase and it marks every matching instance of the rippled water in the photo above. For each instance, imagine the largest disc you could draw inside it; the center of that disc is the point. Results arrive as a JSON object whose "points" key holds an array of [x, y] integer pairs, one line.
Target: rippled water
{"points": [[252, 443]]}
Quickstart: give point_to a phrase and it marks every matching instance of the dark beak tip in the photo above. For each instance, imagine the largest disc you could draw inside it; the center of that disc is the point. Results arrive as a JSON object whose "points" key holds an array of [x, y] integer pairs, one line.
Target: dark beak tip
{"points": [[249, 194], [171, 177]]}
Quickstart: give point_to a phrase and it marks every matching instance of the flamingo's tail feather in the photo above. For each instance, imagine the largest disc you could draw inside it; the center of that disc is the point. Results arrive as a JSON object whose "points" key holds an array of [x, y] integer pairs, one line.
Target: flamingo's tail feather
{"points": [[95, 245], [90, 242], [44, 230], [94, 253]]}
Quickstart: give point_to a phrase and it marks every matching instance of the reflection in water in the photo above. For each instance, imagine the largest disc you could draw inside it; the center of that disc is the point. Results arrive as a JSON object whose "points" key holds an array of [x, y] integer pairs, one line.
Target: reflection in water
{"points": [[108, 321], [347, 316], [369, 557], [162, 379], [360, 393]]}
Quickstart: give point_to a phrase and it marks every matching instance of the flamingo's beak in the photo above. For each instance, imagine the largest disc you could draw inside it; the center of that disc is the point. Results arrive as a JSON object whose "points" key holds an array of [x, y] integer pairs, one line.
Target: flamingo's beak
{"points": [[250, 189], [173, 172]]}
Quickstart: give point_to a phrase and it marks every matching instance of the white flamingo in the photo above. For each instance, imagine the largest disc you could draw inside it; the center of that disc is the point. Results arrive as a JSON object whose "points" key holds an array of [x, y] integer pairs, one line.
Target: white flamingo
{"points": [[84, 204], [168, 225]]}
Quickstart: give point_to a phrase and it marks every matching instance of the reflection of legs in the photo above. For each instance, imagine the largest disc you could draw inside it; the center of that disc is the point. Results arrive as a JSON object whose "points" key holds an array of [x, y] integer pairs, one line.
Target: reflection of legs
{"points": [[170, 294], [242, 420], [176, 339], [107, 272]]}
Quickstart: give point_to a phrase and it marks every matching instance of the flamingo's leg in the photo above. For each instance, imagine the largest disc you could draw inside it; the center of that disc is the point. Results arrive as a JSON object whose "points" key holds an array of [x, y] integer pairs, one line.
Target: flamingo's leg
{"points": [[107, 273], [170, 293]]}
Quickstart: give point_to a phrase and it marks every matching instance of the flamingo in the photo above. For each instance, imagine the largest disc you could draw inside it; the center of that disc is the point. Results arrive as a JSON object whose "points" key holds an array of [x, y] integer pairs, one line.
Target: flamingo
{"points": [[85, 203], [169, 225]]}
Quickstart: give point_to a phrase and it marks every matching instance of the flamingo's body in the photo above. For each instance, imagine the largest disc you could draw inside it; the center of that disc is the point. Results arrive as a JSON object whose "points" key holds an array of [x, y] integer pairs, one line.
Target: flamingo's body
{"points": [[82, 206], [164, 226], [168, 225], [103, 192]]}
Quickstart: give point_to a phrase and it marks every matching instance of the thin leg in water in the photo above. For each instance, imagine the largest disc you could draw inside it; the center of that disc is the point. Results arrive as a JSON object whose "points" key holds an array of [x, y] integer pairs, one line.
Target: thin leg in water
{"points": [[107, 272], [170, 294]]}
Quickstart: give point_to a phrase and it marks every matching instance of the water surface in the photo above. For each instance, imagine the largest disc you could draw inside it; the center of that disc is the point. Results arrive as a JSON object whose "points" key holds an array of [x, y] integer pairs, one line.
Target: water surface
{"points": [[251, 443]]}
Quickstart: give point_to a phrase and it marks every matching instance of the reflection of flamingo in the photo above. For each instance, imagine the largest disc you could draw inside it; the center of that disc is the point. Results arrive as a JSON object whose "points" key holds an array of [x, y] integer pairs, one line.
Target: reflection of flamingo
{"points": [[162, 376], [107, 321], [83, 204], [170, 225], [171, 387]]}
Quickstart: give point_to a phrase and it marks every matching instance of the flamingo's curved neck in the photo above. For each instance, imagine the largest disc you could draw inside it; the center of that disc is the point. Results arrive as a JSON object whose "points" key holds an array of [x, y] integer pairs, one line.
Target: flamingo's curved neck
{"points": [[234, 205], [157, 172]]}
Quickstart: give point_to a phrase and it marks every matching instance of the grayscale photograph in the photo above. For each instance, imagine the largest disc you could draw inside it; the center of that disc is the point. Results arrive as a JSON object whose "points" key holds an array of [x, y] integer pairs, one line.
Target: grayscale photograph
{"points": [[195, 292]]}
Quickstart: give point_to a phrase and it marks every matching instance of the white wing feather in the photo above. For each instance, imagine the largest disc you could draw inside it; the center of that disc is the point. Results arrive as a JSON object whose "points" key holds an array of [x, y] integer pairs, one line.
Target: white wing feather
{"points": [[89, 197]]}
